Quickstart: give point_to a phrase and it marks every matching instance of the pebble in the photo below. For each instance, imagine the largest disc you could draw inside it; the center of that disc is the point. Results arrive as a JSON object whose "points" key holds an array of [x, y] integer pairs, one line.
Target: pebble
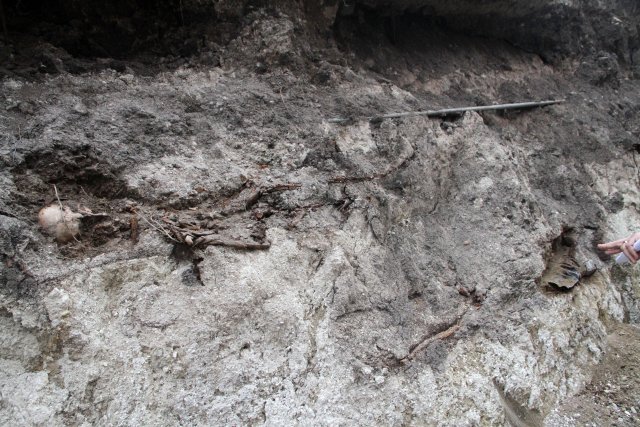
{"points": [[26, 108], [80, 108], [589, 268], [13, 84]]}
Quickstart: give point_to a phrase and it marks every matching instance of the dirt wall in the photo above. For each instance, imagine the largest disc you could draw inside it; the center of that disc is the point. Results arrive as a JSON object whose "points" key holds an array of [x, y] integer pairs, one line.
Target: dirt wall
{"points": [[245, 259]]}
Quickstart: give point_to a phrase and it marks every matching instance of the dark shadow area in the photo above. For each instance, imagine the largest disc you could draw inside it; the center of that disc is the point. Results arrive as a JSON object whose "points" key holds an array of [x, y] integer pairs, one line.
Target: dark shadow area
{"points": [[138, 36], [114, 29], [553, 30], [428, 56]]}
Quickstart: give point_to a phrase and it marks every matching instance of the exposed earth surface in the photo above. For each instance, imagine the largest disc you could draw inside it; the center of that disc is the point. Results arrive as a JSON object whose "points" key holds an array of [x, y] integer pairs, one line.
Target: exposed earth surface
{"points": [[239, 244]]}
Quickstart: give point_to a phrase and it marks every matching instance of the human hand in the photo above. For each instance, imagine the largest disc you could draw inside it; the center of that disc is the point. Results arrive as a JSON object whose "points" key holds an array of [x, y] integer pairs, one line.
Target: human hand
{"points": [[624, 245]]}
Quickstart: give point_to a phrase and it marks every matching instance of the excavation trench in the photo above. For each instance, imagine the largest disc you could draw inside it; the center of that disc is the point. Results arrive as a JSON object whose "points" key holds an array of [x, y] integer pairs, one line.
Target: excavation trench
{"points": [[244, 260]]}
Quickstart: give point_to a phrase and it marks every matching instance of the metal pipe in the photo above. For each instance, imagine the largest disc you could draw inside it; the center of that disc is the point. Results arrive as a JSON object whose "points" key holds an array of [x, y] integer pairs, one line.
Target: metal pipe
{"points": [[452, 111]]}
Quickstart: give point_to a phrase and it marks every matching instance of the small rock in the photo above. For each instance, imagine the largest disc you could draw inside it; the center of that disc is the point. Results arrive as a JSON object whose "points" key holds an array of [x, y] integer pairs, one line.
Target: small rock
{"points": [[81, 109], [13, 84], [58, 304], [588, 268], [127, 78], [261, 68], [26, 108], [12, 105]]}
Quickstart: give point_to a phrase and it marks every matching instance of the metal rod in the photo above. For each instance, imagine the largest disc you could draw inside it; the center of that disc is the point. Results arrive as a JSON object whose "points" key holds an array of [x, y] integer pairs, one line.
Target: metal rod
{"points": [[452, 111]]}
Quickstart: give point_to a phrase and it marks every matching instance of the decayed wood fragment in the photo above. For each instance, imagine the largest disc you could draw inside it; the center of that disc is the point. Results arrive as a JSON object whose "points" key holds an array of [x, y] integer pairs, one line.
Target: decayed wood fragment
{"points": [[425, 343], [204, 238]]}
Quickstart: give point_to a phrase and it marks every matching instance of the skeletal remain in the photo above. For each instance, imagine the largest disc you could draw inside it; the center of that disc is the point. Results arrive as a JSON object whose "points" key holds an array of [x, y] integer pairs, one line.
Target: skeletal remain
{"points": [[61, 223]]}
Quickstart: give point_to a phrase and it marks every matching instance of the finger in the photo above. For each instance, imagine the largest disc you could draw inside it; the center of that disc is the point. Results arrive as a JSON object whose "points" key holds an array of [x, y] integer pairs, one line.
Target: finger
{"points": [[629, 253], [612, 251], [627, 248], [629, 244], [611, 245]]}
